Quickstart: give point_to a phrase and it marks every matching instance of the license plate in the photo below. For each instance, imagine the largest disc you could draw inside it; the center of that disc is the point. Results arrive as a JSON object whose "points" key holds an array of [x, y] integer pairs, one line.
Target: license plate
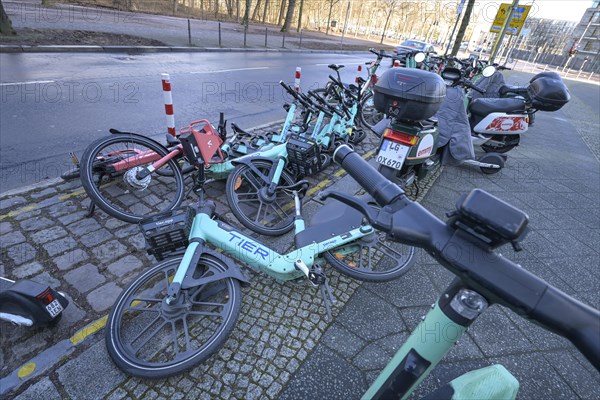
{"points": [[54, 308], [392, 154]]}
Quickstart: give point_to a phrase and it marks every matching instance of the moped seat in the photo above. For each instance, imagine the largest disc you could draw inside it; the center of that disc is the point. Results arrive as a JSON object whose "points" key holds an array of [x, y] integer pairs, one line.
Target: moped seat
{"points": [[485, 106], [519, 90]]}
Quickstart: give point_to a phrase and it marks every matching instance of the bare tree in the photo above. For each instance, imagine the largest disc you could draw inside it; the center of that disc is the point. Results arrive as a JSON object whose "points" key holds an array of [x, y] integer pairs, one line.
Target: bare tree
{"points": [[5, 23], [289, 16], [331, 4], [389, 6], [463, 27]]}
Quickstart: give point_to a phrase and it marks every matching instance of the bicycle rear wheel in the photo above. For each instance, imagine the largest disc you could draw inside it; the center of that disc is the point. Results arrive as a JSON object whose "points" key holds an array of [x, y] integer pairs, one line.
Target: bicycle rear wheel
{"points": [[369, 116], [148, 338], [247, 193], [108, 175]]}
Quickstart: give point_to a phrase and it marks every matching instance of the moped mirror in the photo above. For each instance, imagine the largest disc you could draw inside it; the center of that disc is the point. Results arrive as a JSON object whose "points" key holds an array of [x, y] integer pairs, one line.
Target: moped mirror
{"points": [[419, 57], [489, 71]]}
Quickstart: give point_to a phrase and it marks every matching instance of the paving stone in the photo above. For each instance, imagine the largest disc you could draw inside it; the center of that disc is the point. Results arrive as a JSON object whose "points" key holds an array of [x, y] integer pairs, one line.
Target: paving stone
{"points": [[109, 251], [43, 389], [28, 214], [11, 239], [36, 224], [60, 246], [325, 375], [124, 266], [127, 232], [46, 279], [342, 341], [95, 238], [49, 202], [72, 217], [44, 193], [11, 202], [97, 364], [83, 227], [48, 235], [85, 278], [68, 260], [368, 317], [28, 347], [72, 315], [28, 270], [5, 227], [21, 253], [104, 297], [62, 209]]}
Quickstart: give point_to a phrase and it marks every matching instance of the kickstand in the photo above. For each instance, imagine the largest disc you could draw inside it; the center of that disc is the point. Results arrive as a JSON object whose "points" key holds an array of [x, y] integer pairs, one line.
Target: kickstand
{"points": [[317, 277], [91, 208]]}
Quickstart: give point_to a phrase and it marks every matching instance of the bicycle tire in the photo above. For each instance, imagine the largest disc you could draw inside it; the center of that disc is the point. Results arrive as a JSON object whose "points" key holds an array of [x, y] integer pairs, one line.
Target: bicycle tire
{"points": [[372, 258], [121, 199], [370, 118], [247, 202], [135, 317], [394, 261]]}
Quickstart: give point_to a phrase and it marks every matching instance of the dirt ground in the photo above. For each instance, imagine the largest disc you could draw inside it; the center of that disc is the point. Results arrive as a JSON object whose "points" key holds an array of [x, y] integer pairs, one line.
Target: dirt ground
{"points": [[33, 37]]}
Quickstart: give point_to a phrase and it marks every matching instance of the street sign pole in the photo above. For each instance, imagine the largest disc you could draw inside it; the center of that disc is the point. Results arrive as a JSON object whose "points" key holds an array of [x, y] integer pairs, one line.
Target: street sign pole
{"points": [[500, 37]]}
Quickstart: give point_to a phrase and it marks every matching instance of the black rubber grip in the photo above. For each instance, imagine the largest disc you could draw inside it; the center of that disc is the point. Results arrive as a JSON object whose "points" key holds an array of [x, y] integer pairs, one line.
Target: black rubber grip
{"points": [[382, 190]]}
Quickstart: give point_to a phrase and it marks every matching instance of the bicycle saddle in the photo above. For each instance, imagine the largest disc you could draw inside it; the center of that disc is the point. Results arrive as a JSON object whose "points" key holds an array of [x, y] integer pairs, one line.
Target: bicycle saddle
{"points": [[335, 67], [487, 106]]}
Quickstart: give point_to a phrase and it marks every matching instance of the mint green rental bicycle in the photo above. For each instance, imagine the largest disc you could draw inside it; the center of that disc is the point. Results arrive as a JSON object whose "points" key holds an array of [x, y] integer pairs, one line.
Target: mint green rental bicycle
{"points": [[179, 312]]}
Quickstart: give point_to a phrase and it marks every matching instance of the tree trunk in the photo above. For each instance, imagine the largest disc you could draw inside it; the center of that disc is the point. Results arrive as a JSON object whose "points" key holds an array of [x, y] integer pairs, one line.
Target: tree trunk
{"points": [[5, 23], [264, 16], [216, 9], [289, 16], [299, 28], [387, 20], [247, 12], [255, 12], [463, 28], [329, 16], [281, 12], [174, 7]]}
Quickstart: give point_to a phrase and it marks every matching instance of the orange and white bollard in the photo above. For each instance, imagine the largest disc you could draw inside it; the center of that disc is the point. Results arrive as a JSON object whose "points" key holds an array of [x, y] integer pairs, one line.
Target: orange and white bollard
{"points": [[166, 84], [297, 81]]}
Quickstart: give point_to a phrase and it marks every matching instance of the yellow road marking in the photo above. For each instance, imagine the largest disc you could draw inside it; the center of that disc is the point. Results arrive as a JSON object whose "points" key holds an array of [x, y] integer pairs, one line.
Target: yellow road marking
{"points": [[26, 370], [89, 330], [74, 194], [17, 212]]}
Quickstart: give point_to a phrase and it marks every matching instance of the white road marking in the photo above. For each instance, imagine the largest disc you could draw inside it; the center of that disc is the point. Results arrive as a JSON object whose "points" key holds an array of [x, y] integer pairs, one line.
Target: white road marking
{"points": [[322, 65], [227, 70], [24, 83]]}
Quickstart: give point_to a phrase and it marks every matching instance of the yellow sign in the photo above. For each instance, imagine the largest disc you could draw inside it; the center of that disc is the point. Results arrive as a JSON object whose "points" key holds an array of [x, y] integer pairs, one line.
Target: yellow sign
{"points": [[516, 23]]}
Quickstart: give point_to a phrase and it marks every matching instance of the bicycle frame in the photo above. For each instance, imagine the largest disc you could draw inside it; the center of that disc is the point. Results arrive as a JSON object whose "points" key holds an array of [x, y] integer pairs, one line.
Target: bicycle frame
{"points": [[255, 254]]}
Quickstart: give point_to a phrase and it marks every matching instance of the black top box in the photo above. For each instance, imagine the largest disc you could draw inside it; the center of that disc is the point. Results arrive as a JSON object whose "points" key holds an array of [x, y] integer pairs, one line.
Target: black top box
{"points": [[408, 93], [548, 94]]}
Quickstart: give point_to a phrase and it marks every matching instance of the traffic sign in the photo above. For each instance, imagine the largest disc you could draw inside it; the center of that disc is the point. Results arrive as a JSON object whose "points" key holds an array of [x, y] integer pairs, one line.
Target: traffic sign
{"points": [[517, 21]]}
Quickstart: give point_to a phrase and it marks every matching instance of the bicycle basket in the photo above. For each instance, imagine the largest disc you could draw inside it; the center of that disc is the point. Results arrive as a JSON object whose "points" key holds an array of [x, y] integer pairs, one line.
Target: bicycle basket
{"points": [[304, 156], [167, 233]]}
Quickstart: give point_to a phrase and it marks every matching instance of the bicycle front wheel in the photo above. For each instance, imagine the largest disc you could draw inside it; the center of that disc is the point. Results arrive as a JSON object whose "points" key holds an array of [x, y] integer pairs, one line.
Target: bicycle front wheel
{"points": [[372, 258], [254, 205], [148, 338], [109, 168]]}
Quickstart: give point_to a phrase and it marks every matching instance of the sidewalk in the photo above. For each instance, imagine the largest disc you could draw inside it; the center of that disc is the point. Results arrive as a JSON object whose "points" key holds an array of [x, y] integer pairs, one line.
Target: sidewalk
{"points": [[282, 346]]}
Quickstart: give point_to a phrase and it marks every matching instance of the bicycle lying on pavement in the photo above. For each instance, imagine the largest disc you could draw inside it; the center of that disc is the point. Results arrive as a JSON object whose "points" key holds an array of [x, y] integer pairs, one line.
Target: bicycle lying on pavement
{"points": [[179, 312], [465, 246]]}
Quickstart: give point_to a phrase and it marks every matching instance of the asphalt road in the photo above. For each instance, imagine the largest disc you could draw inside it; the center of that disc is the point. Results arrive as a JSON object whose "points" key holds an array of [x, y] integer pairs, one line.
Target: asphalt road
{"points": [[56, 103]]}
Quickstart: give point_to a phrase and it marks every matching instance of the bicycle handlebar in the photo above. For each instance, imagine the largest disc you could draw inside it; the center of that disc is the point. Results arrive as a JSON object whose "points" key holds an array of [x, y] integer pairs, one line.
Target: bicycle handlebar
{"points": [[493, 276]]}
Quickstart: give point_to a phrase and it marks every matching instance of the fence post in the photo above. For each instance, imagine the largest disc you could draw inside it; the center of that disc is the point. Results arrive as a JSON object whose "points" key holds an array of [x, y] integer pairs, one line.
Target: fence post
{"points": [[245, 33], [166, 84], [283, 42], [300, 44], [189, 32], [590, 77], [266, 35], [219, 34]]}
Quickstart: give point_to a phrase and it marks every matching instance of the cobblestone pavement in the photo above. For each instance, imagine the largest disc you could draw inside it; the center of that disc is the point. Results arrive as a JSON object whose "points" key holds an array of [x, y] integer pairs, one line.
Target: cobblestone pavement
{"points": [[46, 237], [282, 346]]}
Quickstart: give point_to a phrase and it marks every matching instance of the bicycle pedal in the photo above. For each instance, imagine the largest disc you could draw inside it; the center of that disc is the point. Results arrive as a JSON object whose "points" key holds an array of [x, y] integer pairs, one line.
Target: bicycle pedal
{"points": [[74, 159]]}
